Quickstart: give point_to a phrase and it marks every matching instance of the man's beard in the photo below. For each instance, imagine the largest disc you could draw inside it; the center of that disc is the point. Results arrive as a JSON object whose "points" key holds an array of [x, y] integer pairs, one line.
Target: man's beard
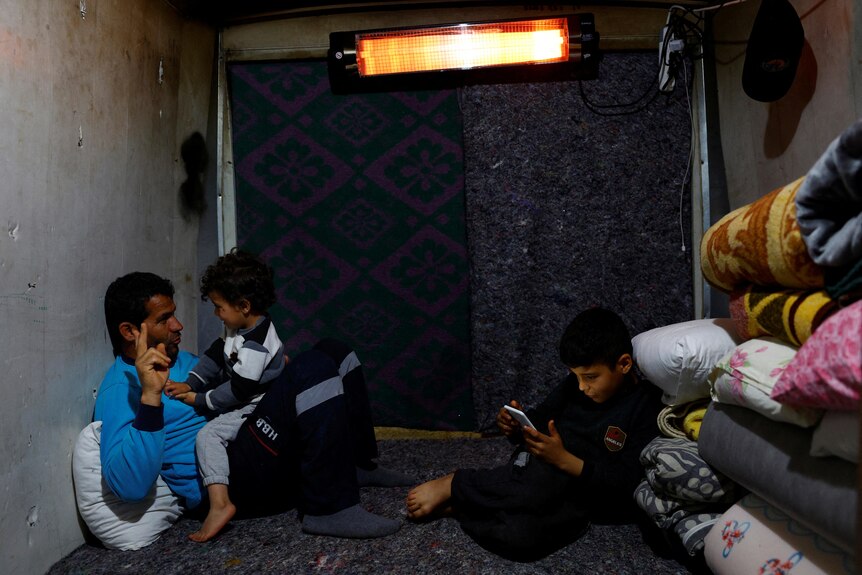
{"points": [[172, 350]]}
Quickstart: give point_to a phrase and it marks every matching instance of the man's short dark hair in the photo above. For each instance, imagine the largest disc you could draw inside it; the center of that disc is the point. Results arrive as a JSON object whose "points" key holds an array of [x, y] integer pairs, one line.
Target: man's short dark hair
{"points": [[595, 336], [126, 300], [240, 275]]}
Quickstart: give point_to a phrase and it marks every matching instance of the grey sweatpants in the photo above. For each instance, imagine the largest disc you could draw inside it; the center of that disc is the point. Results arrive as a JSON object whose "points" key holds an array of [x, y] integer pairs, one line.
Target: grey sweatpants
{"points": [[211, 444]]}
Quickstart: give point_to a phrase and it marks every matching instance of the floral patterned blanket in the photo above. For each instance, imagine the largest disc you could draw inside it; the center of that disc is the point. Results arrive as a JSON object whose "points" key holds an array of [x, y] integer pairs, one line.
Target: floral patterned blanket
{"points": [[760, 243]]}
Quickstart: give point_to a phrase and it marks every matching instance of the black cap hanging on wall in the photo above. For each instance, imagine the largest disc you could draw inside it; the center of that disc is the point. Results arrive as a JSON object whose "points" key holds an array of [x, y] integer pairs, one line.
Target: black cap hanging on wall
{"points": [[773, 51]]}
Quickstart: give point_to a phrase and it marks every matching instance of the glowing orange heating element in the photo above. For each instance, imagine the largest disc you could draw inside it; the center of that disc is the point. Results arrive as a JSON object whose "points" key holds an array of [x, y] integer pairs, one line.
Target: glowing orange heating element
{"points": [[463, 46]]}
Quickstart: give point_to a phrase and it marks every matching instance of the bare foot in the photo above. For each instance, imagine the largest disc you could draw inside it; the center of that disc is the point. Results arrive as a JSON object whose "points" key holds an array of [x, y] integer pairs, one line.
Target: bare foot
{"points": [[423, 500], [215, 520]]}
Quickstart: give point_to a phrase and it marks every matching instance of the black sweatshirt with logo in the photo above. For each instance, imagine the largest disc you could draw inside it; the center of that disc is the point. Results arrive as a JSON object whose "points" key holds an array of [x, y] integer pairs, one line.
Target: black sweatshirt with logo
{"points": [[608, 436]]}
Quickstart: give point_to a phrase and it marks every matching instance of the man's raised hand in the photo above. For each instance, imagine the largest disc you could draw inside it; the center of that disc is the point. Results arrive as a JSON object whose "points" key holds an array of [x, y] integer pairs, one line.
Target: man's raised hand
{"points": [[153, 365]]}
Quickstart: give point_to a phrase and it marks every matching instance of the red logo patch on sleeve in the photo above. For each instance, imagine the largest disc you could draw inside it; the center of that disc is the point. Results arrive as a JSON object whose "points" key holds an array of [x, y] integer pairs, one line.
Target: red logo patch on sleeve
{"points": [[615, 438]]}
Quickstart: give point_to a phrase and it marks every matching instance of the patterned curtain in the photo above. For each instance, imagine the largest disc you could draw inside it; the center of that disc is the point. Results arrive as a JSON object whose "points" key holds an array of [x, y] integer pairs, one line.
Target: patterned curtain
{"points": [[358, 204]]}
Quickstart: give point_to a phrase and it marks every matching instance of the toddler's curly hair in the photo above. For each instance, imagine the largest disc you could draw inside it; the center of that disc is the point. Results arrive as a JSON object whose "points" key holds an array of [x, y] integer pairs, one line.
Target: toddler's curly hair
{"points": [[240, 275]]}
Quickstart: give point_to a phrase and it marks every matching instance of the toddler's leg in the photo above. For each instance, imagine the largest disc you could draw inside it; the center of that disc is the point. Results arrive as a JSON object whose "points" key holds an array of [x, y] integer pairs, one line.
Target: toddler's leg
{"points": [[221, 511], [211, 449]]}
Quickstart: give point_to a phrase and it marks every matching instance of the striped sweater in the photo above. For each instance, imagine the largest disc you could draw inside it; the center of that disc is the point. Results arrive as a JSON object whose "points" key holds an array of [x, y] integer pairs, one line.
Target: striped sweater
{"points": [[238, 369]]}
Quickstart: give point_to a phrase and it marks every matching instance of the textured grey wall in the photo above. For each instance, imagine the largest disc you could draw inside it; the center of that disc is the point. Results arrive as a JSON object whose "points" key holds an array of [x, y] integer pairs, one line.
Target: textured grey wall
{"points": [[567, 209]]}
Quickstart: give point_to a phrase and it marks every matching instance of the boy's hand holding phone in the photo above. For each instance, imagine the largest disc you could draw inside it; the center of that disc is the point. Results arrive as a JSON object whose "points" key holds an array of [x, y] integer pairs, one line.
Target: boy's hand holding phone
{"points": [[519, 416], [507, 418]]}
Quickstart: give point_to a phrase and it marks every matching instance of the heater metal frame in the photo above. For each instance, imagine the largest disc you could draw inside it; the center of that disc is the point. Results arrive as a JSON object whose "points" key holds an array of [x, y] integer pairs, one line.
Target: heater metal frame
{"points": [[584, 57]]}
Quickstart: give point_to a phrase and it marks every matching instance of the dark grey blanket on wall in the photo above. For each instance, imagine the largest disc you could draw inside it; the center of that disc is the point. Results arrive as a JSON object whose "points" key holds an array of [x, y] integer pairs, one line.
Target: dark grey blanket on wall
{"points": [[567, 209]]}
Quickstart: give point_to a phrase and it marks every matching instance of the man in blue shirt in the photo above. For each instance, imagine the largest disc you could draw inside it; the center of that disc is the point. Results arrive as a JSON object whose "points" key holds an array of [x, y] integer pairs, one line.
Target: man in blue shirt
{"points": [[297, 449]]}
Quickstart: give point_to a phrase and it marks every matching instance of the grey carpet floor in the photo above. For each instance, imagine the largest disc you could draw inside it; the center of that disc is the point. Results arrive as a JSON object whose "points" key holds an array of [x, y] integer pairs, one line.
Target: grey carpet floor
{"points": [[277, 545]]}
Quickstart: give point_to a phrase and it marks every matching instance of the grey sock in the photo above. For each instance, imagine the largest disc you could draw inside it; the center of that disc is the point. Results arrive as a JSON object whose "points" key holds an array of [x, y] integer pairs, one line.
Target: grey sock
{"points": [[383, 477], [353, 522]]}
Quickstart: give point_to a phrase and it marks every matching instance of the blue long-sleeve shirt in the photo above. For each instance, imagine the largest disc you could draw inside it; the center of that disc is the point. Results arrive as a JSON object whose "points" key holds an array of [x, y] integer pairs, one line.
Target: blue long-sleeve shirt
{"points": [[140, 442]]}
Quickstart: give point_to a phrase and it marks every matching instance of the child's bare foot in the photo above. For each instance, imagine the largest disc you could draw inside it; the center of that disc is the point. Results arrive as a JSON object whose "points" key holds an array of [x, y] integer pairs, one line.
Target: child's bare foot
{"points": [[215, 520], [430, 497]]}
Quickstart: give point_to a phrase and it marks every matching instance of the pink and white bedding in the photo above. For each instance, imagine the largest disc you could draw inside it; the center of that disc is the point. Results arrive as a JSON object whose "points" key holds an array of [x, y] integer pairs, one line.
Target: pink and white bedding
{"points": [[756, 537], [826, 373]]}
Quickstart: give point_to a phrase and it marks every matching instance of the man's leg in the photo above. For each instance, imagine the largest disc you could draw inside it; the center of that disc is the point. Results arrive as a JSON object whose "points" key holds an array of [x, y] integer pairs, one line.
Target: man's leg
{"points": [[356, 394], [368, 473], [295, 448]]}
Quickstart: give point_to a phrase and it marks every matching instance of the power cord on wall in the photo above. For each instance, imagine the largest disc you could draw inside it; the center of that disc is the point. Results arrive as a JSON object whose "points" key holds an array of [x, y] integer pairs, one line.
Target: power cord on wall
{"points": [[669, 49], [626, 107], [681, 39], [690, 155], [681, 36], [683, 29]]}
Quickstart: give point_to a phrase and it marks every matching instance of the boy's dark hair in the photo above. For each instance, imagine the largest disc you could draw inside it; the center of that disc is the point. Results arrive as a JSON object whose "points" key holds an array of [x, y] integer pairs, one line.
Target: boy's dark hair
{"points": [[596, 335], [126, 300], [240, 275]]}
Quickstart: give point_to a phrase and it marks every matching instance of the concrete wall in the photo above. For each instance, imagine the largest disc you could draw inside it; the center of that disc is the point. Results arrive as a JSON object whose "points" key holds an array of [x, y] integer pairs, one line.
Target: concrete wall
{"points": [[767, 145], [89, 173]]}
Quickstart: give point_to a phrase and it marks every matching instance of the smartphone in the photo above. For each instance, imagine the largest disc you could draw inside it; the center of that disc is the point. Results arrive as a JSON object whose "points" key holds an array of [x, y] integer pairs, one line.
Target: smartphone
{"points": [[520, 416]]}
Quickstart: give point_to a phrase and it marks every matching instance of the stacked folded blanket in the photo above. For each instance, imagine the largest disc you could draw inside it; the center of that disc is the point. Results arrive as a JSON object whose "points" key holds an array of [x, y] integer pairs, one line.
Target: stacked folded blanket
{"points": [[683, 421], [756, 537], [681, 493], [791, 263], [829, 203], [793, 257], [790, 315], [760, 243], [790, 357], [829, 211]]}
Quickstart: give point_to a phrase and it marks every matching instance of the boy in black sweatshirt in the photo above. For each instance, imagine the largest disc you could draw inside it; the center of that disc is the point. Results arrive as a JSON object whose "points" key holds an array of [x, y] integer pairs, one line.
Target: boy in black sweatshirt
{"points": [[581, 463]]}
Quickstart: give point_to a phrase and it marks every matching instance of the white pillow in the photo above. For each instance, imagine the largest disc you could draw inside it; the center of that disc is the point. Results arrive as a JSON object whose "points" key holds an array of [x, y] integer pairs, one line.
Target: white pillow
{"points": [[118, 524], [678, 357], [837, 434]]}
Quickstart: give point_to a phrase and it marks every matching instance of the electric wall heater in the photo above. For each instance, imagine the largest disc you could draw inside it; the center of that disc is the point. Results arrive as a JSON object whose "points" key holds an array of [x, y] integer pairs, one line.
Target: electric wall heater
{"points": [[452, 54]]}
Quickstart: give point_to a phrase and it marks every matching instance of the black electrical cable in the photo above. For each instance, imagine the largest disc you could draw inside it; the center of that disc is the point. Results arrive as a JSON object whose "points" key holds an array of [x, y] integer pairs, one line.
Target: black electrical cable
{"points": [[678, 26], [597, 108]]}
